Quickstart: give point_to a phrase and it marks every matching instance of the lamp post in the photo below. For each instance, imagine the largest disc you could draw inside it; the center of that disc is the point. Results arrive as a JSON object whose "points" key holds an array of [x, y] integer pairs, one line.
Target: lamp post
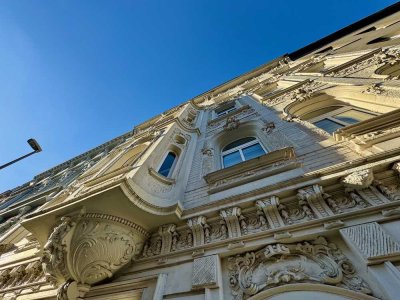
{"points": [[34, 145]]}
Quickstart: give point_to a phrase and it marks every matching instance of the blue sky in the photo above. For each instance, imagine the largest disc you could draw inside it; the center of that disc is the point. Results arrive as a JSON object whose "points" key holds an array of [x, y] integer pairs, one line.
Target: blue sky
{"points": [[74, 74]]}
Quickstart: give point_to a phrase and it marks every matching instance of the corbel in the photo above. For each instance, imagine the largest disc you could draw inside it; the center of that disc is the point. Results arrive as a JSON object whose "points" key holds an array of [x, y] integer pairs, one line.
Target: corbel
{"points": [[270, 208], [231, 218], [166, 233], [197, 224], [313, 195]]}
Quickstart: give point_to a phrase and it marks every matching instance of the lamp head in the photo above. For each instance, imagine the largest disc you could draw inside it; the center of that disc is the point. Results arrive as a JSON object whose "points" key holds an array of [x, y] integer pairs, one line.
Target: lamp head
{"points": [[35, 145]]}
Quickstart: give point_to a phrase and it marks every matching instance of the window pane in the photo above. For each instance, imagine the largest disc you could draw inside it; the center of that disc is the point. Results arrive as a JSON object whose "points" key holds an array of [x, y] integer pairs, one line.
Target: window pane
{"points": [[353, 116], [238, 143], [253, 151], [231, 159], [328, 125], [166, 166]]}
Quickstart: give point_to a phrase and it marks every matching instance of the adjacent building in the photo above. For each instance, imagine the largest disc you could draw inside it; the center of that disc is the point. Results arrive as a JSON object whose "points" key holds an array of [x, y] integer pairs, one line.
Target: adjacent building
{"points": [[283, 183]]}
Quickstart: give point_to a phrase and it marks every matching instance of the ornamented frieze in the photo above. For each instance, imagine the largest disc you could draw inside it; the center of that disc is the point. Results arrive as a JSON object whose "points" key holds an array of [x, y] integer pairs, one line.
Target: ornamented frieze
{"points": [[28, 276]]}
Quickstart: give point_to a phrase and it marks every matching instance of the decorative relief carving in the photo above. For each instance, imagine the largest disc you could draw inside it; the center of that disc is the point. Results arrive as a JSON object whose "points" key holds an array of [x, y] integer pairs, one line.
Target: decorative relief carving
{"points": [[269, 207], [365, 139], [231, 124], [314, 261], [358, 180], [374, 89], [196, 224], [167, 233], [205, 271], [231, 218], [90, 247], [314, 197], [302, 93], [21, 277], [235, 118], [268, 127], [371, 241]]}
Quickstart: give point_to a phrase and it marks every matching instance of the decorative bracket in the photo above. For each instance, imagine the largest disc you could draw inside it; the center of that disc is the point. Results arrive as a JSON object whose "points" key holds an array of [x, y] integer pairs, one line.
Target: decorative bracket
{"points": [[231, 218], [313, 195], [197, 224], [270, 208]]}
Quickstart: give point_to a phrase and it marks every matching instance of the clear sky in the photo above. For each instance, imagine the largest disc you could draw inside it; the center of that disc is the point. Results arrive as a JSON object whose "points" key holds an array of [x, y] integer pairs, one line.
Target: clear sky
{"points": [[74, 74]]}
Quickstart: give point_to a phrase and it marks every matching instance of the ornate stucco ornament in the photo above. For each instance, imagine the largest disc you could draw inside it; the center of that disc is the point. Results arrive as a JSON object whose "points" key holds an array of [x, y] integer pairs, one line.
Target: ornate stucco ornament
{"points": [[314, 261], [87, 248], [231, 124], [358, 180]]}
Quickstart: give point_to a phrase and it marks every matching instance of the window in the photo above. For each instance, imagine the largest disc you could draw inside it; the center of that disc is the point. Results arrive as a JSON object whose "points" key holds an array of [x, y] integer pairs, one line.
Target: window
{"points": [[333, 118], [224, 110], [168, 164], [241, 150]]}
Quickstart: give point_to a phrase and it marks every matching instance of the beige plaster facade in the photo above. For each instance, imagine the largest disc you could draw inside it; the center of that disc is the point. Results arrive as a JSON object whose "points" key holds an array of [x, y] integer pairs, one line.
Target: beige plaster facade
{"points": [[315, 215]]}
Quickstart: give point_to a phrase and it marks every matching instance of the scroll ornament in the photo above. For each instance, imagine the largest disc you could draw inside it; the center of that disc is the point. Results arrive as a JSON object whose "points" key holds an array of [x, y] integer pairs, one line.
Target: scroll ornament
{"points": [[314, 261], [89, 248]]}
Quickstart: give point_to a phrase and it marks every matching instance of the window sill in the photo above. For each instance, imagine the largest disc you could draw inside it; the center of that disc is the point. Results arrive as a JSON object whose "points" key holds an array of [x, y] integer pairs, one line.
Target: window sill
{"points": [[372, 131], [161, 178], [248, 166]]}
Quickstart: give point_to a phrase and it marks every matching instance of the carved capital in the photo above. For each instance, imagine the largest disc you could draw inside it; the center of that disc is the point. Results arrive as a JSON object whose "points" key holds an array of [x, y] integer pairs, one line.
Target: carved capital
{"points": [[90, 247], [197, 224], [231, 218], [358, 180]]}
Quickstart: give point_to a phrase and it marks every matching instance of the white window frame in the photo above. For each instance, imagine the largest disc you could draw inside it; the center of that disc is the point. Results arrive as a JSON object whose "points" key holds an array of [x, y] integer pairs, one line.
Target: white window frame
{"points": [[172, 169], [331, 115], [239, 148]]}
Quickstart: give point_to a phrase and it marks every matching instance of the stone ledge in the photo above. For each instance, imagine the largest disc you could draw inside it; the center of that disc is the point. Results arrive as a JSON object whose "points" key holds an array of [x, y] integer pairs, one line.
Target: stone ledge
{"points": [[246, 166]]}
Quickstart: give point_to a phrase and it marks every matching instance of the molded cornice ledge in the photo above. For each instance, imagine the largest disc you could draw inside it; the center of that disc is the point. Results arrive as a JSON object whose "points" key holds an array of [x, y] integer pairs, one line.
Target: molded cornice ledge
{"points": [[262, 161]]}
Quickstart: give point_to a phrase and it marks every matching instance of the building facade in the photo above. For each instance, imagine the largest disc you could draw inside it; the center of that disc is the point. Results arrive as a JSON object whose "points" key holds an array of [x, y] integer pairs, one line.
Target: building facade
{"points": [[283, 183]]}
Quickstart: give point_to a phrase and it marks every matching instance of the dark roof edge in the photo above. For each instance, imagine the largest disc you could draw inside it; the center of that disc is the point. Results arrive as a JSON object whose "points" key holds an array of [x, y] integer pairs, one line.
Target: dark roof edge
{"points": [[390, 10]]}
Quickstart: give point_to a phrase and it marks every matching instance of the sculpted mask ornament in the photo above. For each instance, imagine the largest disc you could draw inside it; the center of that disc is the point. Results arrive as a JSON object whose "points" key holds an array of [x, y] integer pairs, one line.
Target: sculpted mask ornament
{"points": [[89, 248], [314, 261]]}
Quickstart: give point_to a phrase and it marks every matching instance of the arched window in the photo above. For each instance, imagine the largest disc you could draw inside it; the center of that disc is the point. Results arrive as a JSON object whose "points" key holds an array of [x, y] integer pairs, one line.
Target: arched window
{"points": [[168, 164], [241, 150]]}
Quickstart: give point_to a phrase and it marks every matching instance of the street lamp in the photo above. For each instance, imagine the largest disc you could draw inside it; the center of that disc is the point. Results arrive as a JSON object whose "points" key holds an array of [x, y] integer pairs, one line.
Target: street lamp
{"points": [[34, 145]]}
